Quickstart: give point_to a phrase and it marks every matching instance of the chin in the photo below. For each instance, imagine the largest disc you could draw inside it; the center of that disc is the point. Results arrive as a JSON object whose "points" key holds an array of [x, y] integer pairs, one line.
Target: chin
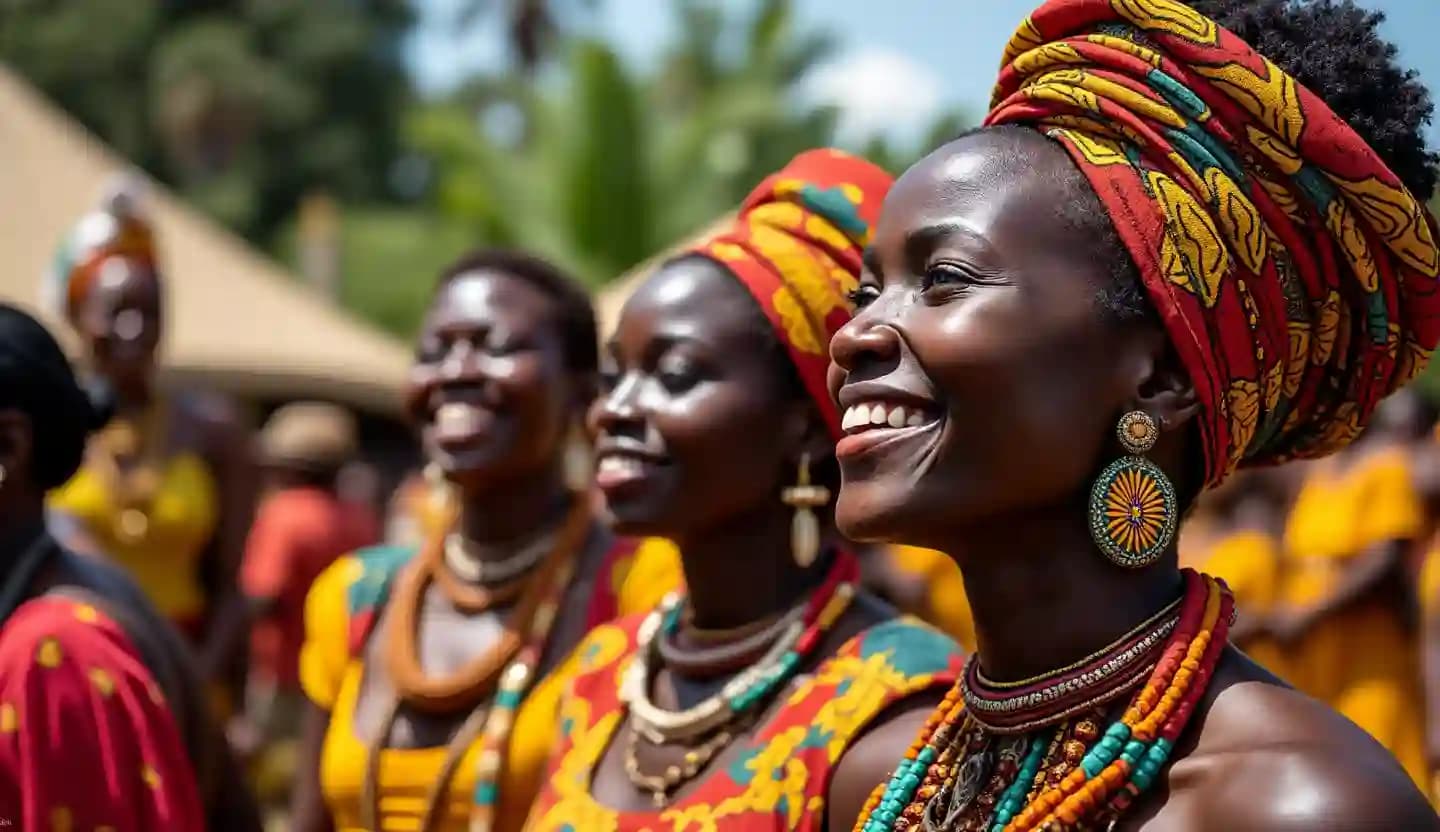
{"points": [[637, 518], [866, 514]]}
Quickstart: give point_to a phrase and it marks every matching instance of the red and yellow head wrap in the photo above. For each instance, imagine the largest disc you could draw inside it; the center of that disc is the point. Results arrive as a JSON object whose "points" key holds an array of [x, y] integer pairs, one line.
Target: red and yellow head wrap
{"points": [[796, 245], [118, 228], [1295, 274]]}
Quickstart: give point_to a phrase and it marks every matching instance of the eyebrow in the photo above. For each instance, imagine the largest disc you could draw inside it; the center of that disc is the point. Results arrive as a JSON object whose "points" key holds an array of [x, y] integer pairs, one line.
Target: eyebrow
{"points": [[870, 261], [919, 242]]}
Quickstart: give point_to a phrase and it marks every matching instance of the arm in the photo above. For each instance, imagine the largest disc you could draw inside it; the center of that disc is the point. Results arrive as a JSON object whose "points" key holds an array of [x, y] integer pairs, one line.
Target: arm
{"points": [[1362, 577], [871, 759], [227, 448], [95, 744], [1430, 657], [307, 804]]}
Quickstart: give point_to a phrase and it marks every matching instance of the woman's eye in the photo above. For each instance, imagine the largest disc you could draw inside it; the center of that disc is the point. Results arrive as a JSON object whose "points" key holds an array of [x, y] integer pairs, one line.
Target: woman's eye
{"points": [[677, 375], [942, 274], [863, 296]]}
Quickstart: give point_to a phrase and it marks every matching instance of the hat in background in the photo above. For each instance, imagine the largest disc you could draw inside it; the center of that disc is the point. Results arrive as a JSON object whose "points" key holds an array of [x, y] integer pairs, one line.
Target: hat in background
{"points": [[313, 436]]}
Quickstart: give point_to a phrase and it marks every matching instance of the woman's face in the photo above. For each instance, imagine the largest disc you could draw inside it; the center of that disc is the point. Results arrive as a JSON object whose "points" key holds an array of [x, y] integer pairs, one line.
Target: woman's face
{"points": [[121, 321], [490, 388], [694, 424], [978, 314]]}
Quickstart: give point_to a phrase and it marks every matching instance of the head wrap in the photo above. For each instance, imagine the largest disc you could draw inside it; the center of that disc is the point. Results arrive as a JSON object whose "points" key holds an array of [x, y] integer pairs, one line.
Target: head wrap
{"points": [[795, 245], [117, 228], [1295, 274]]}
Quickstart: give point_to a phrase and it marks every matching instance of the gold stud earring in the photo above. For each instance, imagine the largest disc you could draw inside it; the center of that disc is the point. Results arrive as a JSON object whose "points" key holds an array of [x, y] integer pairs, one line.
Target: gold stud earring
{"points": [[805, 497], [1133, 508]]}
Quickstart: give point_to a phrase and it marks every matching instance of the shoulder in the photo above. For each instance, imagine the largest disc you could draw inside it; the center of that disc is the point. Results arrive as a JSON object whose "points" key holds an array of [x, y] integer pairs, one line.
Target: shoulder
{"points": [[608, 644], [60, 637], [908, 647], [358, 581], [1268, 757], [869, 761]]}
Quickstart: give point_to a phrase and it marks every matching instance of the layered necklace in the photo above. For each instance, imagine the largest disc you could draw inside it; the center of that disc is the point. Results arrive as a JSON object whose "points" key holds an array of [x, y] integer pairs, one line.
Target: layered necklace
{"points": [[503, 673], [1039, 754], [768, 655], [128, 456]]}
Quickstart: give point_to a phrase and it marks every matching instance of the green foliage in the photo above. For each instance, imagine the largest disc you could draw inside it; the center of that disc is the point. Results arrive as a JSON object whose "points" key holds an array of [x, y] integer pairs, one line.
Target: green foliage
{"points": [[242, 105]]}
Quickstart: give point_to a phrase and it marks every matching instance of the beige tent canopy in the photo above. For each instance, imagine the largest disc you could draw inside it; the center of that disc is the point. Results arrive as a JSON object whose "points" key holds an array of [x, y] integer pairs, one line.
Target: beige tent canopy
{"points": [[236, 322]]}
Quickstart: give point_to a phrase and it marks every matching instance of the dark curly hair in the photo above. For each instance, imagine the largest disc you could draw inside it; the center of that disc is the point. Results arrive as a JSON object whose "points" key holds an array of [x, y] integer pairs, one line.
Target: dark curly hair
{"points": [[1333, 48], [576, 315]]}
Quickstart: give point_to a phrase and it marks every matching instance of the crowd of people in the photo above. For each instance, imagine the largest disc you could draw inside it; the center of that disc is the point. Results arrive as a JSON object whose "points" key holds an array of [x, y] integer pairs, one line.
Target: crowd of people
{"points": [[1069, 481]]}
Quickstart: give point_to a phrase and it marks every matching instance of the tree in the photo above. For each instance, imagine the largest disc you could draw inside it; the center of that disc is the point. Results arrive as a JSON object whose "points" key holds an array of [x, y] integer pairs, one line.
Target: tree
{"points": [[241, 105]]}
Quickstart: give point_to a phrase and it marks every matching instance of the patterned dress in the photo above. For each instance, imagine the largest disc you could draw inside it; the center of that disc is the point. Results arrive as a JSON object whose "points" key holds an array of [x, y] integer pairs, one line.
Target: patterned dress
{"points": [[780, 780]]}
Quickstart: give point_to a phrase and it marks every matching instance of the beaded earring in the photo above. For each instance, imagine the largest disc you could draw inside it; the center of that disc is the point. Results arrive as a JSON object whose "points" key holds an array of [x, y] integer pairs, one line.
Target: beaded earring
{"points": [[1133, 506], [805, 527]]}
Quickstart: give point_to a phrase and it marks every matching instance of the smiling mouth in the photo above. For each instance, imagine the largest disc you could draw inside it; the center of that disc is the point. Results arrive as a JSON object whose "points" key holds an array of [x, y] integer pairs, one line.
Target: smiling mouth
{"points": [[461, 422], [873, 423]]}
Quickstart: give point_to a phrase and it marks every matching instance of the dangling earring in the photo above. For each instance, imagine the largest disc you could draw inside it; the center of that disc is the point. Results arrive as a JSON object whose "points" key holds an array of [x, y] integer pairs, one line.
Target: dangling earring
{"points": [[1132, 504], [3, 472], [805, 527]]}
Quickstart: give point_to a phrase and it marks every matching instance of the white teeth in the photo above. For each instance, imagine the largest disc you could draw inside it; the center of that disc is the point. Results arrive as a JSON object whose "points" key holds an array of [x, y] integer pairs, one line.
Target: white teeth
{"points": [[457, 417], [615, 464], [862, 416]]}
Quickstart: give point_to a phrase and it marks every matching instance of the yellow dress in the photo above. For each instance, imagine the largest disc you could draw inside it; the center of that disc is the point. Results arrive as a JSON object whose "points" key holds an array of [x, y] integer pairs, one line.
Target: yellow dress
{"points": [[331, 676], [945, 606], [1249, 563], [1363, 661], [182, 518]]}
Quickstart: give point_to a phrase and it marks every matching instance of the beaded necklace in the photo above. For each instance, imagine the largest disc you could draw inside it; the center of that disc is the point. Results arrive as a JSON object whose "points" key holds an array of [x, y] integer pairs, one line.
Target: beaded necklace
{"points": [[519, 656], [718, 716], [1066, 775]]}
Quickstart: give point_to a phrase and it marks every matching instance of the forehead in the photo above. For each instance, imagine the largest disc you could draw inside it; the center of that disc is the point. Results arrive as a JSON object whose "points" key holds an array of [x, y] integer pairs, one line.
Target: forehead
{"points": [[1010, 186], [490, 297], [122, 281], [692, 299]]}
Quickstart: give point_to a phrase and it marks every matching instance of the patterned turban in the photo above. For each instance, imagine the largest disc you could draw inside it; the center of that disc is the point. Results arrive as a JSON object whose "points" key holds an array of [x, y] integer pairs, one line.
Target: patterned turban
{"points": [[796, 245], [1295, 274], [117, 228]]}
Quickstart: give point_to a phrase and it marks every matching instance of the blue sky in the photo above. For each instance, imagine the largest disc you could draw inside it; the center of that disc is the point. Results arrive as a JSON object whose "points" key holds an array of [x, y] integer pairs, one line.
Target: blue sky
{"points": [[899, 63]]}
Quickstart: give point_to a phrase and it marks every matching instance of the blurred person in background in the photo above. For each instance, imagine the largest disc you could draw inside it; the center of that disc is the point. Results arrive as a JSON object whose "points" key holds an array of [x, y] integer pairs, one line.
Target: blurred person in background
{"points": [[301, 526], [433, 670], [1345, 613], [924, 583], [103, 724], [1246, 525], [749, 703], [165, 489]]}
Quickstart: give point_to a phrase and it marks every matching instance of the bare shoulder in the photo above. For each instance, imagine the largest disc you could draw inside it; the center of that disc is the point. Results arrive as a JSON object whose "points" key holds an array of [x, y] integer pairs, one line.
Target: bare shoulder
{"points": [[1263, 756], [870, 760]]}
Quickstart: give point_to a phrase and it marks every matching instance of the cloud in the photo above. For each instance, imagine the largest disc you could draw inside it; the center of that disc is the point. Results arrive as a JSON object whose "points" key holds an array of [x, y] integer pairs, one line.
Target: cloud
{"points": [[878, 92]]}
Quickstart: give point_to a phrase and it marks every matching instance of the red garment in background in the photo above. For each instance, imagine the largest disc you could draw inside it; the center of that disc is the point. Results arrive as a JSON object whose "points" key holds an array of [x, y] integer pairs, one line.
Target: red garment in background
{"points": [[86, 738], [297, 533]]}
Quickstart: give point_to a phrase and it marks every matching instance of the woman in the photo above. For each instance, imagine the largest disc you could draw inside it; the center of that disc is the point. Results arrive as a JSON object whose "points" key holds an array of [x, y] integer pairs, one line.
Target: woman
{"points": [[102, 724], [1101, 302], [416, 662], [165, 488], [746, 705]]}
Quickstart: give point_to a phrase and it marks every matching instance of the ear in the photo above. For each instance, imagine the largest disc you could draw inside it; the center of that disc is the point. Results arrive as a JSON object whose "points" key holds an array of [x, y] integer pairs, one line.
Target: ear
{"points": [[17, 445], [1162, 387], [805, 432]]}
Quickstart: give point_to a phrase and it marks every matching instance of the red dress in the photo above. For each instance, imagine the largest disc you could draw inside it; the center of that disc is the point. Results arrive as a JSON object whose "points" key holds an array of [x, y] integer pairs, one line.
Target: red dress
{"points": [[780, 781], [86, 739]]}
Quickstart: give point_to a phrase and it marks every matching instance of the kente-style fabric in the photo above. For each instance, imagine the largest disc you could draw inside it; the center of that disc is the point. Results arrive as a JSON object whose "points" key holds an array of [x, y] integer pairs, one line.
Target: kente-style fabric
{"points": [[341, 611], [796, 245], [780, 777], [1294, 272], [86, 738], [116, 228]]}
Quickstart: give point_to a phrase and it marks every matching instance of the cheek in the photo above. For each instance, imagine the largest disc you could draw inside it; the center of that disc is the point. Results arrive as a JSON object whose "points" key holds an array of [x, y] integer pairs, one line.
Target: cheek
{"points": [[726, 442]]}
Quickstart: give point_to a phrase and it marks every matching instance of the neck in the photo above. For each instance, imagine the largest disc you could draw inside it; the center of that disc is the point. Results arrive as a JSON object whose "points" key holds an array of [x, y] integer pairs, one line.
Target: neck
{"points": [[1043, 596], [741, 569], [502, 515], [21, 525]]}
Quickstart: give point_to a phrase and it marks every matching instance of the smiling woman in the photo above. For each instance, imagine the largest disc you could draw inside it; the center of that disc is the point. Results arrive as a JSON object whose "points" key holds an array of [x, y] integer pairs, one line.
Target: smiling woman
{"points": [[1162, 257], [422, 666], [749, 704]]}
